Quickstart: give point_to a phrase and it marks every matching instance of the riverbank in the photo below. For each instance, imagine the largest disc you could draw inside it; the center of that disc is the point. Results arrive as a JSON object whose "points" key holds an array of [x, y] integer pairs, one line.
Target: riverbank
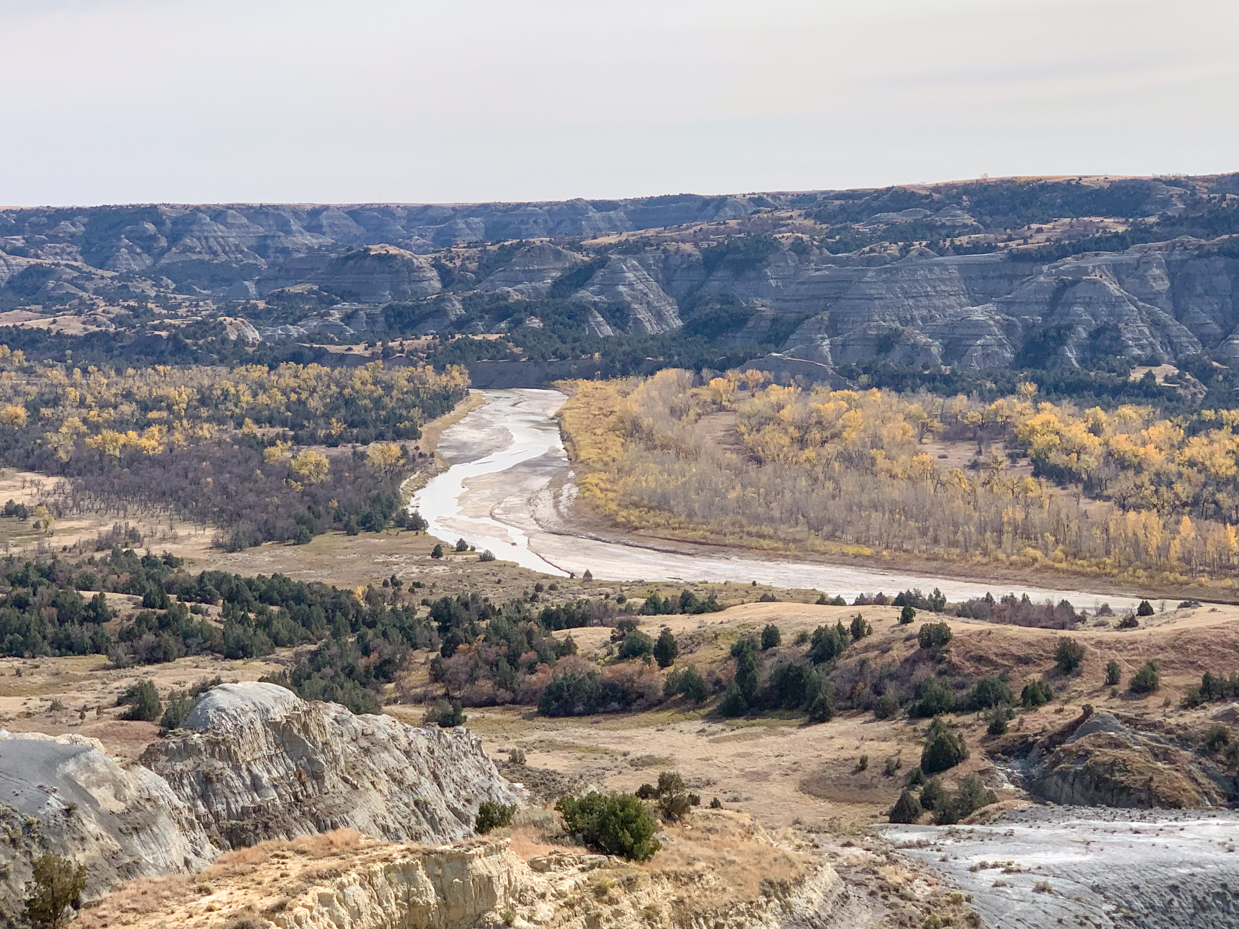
{"points": [[511, 489]]}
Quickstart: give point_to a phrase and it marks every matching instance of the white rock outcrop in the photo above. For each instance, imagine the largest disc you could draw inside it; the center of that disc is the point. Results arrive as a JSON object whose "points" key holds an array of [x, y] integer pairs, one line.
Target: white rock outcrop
{"points": [[257, 762], [67, 796]]}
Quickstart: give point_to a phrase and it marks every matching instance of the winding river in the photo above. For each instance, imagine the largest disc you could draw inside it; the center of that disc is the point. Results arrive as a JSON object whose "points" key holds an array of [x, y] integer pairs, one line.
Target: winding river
{"points": [[509, 489]]}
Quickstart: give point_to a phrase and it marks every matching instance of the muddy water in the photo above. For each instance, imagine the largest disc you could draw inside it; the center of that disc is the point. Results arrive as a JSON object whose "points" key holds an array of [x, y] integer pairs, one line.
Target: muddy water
{"points": [[509, 489]]}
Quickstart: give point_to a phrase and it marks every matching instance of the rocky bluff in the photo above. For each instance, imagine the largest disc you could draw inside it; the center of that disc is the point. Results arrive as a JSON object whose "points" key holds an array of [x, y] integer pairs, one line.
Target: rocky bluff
{"points": [[254, 762]]}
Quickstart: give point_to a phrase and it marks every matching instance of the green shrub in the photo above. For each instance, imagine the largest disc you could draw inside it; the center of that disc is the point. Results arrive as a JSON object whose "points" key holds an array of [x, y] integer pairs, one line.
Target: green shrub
{"points": [[674, 800], [179, 705], [1146, 680], [989, 692], [937, 697], [1114, 675], [687, 683], [666, 649], [56, 892], [445, 714], [906, 616], [635, 645], [1145, 608], [971, 796], [1068, 655], [828, 643], [997, 723], [860, 628], [771, 637], [822, 709], [932, 794], [1217, 738], [944, 748], [1036, 693], [916, 777], [492, 815], [934, 635], [733, 703], [613, 824], [143, 700], [886, 706], [907, 809], [1129, 622]]}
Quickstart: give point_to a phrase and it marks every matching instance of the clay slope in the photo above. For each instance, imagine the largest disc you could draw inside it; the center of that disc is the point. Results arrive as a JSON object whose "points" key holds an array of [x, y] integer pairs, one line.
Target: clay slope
{"points": [[256, 762]]}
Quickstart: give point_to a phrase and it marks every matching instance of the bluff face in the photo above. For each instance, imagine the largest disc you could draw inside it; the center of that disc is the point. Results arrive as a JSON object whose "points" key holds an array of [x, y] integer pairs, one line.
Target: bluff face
{"points": [[255, 762], [980, 274]]}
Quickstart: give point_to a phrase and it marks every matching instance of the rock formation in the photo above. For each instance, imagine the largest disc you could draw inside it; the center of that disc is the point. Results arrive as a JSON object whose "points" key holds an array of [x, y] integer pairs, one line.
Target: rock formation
{"points": [[1099, 761], [256, 762], [66, 796]]}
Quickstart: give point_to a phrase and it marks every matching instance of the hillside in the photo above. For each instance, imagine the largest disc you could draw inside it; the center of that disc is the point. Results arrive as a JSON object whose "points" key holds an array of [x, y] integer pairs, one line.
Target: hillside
{"points": [[1089, 273]]}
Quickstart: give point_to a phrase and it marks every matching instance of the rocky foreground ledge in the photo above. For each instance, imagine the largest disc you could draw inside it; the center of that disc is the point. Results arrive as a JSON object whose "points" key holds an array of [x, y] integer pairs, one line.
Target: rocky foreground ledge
{"points": [[254, 762]]}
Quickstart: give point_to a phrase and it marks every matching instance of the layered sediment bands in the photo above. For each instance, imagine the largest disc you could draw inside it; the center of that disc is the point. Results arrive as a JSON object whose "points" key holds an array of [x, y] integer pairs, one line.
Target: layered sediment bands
{"points": [[1102, 762], [66, 796], [256, 762]]}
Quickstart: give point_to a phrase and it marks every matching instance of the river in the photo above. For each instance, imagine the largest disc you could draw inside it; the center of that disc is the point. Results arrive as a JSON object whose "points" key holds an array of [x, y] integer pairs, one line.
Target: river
{"points": [[509, 489]]}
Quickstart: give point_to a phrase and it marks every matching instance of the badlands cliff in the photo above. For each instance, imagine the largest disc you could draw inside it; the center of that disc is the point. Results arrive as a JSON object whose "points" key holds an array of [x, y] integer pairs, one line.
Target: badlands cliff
{"points": [[255, 762]]}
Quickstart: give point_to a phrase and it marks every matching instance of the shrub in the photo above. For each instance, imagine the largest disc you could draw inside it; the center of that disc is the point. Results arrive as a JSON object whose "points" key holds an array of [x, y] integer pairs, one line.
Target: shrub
{"points": [[1114, 675], [666, 649], [937, 697], [733, 703], [1129, 622], [445, 714], [886, 706], [1145, 608], [462, 545], [892, 765], [971, 796], [492, 815], [487, 555], [792, 686], [174, 714], [822, 709], [516, 756], [57, 891], [862, 763], [1146, 680], [907, 808], [828, 643], [771, 637], [916, 777], [944, 748], [1036, 693], [688, 683], [143, 700], [989, 692], [1188, 604], [613, 824], [934, 635], [716, 804], [1068, 655], [1217, 738], [437, 551], [997, 723], [635, 645], [860, 628], [906, 615], [674, 800], [932, 794]]}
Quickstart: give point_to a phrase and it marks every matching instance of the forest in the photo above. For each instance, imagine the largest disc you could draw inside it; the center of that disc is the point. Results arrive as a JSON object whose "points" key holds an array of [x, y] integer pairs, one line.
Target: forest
{"points": [[258, 453], [1127, 492]]}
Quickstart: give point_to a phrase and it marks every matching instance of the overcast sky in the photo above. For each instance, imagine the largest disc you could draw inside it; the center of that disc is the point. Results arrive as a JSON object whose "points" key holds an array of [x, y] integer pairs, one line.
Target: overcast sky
{"points": [[110, 101]]}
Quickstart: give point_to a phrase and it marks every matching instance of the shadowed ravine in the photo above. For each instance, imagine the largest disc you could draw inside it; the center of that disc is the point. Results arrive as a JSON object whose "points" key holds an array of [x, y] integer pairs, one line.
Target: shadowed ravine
{"points": [[509, 489]]}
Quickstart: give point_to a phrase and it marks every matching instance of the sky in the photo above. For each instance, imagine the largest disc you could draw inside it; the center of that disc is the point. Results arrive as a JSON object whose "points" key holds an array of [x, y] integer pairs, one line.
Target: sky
{"points": [[118, 101]]}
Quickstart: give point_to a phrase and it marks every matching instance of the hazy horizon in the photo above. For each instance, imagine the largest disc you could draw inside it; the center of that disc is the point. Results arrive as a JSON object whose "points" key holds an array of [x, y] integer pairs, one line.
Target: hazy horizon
{"points": [[137, 101]]}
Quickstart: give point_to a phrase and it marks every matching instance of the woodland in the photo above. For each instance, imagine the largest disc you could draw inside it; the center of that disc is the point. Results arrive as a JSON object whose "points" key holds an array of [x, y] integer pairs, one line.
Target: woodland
{"points": [[1126, 492], [259, 453]]}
